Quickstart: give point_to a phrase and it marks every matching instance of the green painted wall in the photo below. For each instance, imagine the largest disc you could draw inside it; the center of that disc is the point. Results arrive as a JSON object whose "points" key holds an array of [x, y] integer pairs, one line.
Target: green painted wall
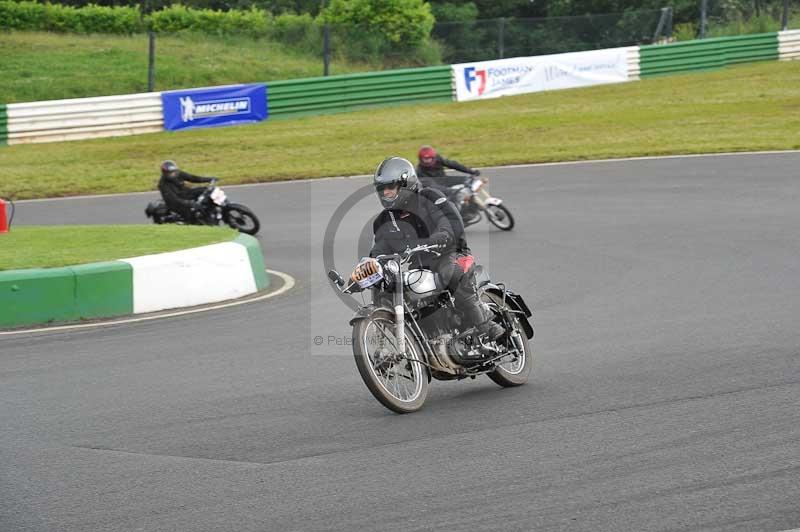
{"points": [[256, 260], [36, 296], [706, 54], [44, 295], [104, 289]]}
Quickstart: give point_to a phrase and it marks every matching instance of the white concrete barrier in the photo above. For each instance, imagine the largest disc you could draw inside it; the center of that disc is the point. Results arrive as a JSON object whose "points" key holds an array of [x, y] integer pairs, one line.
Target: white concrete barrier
{"points": [[191, 277]]}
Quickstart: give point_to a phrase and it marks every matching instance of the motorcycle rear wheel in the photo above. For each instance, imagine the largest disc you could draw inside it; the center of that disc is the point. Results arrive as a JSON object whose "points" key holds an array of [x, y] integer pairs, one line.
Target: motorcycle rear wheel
{"points": [[399, 384], [517, 371], [500, 217]]}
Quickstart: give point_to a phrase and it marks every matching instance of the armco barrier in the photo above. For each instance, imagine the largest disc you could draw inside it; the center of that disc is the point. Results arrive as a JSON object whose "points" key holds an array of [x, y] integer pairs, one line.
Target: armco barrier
{"points": [[84, 118], [705, 54], [143, 113], [3, 124], [789, 45], [342, 93], [633, 63]]}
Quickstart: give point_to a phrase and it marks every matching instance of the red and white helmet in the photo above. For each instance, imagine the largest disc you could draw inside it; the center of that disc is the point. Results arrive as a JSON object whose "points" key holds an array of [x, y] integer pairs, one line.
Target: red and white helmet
{"points": [[427, 156]]}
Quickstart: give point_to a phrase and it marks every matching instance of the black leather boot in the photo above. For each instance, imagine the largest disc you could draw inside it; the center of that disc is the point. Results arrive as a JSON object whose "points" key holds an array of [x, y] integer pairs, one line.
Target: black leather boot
{"points": [[482, 321]]}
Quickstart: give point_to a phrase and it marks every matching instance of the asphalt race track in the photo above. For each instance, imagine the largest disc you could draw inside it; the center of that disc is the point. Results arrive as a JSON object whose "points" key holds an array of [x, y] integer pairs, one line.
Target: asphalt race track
{"points": [[665, 396]]}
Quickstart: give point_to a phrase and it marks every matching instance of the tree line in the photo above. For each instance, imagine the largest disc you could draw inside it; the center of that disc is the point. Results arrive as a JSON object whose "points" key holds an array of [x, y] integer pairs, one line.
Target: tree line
{"points": [[466, 10]]}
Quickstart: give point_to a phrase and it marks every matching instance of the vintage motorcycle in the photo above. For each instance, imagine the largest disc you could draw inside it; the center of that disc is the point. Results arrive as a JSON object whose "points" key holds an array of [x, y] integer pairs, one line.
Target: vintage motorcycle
{"points": [[472, 197], [214, 209], [412, 332]]}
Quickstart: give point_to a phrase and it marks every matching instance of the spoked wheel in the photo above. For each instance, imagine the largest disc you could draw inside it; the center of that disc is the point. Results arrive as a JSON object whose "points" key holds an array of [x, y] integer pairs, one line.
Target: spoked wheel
{"points": [[500, 217], [515, 370], [242, 219], [399, 382]]}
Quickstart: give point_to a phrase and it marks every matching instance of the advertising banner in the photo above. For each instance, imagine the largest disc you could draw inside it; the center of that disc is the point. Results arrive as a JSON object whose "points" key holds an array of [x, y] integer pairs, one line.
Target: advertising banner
{"points": [[215, 106], [520, 75]]}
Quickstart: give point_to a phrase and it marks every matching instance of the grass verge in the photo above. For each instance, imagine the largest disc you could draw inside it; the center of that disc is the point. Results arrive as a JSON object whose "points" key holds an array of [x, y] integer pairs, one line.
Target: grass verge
{"points": [[69, 245], [748, 107], [38, 66]]}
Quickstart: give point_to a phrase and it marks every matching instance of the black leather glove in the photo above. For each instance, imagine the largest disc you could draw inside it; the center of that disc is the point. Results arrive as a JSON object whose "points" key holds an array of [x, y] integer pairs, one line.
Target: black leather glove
{"points": [[476, 173], [435, 240]]}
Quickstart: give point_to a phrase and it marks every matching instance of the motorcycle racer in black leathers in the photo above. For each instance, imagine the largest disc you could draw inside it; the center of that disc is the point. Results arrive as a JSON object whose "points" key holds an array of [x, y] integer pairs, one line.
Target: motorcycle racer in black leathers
{"points": [[415, 215], [176, 195]]}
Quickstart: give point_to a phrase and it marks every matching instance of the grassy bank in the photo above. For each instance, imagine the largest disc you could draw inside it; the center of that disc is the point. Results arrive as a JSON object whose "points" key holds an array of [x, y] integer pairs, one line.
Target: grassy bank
{"points": [[38, 66], [751, 107], [67, 245]]}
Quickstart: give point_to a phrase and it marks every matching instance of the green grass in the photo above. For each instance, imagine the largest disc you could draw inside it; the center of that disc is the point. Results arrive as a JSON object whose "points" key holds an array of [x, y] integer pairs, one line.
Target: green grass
{"points": [[67, 245], [38, 66], [750, 107]]}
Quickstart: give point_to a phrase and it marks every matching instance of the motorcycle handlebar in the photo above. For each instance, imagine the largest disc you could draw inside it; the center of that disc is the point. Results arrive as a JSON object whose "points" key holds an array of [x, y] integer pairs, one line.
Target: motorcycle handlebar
{"points": [[347, 287], [409, 252]]}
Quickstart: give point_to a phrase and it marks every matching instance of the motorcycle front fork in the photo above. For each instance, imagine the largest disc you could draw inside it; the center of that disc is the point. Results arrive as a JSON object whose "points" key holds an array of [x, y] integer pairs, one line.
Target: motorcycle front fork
{"points": [[400, 316], [479, 198]]}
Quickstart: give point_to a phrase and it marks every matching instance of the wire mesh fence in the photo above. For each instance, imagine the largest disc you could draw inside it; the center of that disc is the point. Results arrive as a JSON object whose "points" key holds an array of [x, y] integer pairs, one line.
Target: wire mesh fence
{"points": [[507, 37], [722, 18]]}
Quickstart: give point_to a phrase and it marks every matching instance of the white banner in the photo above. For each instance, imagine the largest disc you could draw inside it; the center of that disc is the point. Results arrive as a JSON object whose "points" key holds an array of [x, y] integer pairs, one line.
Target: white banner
{"points": [[519, 75]]}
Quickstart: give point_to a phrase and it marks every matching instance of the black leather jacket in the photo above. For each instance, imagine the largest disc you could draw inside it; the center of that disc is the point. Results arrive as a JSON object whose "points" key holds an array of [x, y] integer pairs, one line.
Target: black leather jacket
{"points": [[435, 176], [426, 218], [175, 193]]}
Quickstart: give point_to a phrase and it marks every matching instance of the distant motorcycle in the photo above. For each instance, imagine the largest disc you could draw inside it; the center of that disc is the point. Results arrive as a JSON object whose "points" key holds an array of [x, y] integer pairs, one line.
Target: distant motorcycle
{"points": [[472, 197], [413, 332], [213, 209]]}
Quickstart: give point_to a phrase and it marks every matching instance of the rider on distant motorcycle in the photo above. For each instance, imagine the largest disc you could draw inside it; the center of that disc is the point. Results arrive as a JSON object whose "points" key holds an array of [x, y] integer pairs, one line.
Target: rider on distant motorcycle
{"points": [[412, 216], [431, 172], [177, 196]]}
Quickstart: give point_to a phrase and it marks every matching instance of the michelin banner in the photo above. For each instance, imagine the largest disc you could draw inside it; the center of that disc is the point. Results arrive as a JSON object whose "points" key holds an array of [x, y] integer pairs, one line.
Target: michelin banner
{"points": [[519, 75], [215, 106]]}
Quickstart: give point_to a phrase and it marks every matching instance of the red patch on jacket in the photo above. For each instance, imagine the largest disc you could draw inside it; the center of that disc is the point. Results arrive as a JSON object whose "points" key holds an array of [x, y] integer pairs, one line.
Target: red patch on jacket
{"points": [[465, 262]]}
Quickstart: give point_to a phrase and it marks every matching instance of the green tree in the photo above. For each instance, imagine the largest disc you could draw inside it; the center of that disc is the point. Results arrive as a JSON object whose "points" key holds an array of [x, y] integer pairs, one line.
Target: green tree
{"points": [[399, 23]]}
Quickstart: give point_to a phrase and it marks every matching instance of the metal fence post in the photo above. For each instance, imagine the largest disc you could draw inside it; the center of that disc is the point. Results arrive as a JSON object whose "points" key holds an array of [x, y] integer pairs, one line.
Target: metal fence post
{"points": [[326, 42], [785, 18], [151, 61], [501, 37], [326, 49], [703, 18], [666, 15]]}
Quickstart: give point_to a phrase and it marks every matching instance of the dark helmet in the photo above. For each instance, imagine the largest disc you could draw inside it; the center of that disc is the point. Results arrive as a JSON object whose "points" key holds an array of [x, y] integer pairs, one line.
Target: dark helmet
{"points": [[395, 172], [169, 167], [427, 156]]}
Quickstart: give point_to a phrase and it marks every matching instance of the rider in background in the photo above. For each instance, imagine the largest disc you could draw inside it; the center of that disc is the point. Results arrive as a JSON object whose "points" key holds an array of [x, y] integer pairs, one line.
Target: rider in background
{"points": [[176, 194], [431, 172]]}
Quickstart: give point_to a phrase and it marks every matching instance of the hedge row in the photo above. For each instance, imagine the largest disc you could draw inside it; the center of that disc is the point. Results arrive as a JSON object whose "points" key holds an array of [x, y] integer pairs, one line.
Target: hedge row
{"points": [[55, 17], [32, 16]]}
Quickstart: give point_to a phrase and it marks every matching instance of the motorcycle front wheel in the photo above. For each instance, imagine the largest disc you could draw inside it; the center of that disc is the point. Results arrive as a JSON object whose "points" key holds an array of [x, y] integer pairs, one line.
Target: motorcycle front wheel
{"points": [[241, 218], [500, 217], [398, 382]]}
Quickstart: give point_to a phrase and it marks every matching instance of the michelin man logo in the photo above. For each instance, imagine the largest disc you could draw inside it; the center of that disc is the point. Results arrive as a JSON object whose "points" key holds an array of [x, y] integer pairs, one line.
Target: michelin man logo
{"points": [[187, 109]]}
